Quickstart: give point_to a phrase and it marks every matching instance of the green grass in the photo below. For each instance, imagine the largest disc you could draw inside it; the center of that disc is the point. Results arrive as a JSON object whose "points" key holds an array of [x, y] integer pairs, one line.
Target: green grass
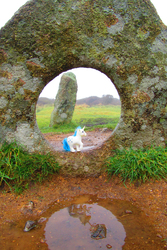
{"points": [[92, 117], [142, 164], [19, 168]]}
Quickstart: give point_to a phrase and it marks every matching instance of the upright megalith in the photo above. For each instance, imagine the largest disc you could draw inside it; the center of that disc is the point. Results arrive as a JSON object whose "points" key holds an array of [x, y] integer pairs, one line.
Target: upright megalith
{"points": [[65, 100], [124, 39]]}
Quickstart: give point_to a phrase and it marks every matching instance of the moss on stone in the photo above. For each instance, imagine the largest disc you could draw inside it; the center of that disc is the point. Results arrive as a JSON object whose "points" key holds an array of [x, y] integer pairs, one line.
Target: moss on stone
{"points": [[3, 56], [140, 97], [19, 83], [124, 39], [5, 74]]}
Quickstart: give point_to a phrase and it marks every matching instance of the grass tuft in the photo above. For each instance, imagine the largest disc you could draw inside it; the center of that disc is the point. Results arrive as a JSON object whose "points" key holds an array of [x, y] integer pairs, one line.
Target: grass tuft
{"points": [[18, 168], [142, 164]]}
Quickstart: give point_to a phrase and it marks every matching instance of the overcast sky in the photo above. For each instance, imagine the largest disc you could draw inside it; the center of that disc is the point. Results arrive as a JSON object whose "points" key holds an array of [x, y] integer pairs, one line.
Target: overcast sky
{"points": [[90, 81]]}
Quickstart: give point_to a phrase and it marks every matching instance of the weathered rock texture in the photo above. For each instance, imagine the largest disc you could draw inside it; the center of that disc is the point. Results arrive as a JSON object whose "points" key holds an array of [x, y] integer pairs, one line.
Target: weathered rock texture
{"points": [[65, 100], [125, 39]]}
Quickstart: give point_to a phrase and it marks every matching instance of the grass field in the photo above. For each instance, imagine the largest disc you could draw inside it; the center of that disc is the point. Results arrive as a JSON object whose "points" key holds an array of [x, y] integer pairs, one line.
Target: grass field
{"points": [[91, 117]]}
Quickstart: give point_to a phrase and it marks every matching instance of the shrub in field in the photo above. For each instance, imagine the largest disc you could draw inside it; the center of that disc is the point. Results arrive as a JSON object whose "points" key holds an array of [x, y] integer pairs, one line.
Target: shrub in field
{"points": [[18, 168], [142, 164]]}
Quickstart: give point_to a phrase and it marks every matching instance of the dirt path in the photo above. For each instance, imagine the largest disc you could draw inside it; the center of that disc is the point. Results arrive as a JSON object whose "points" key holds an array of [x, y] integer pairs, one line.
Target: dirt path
{"points": [[93, 138]]}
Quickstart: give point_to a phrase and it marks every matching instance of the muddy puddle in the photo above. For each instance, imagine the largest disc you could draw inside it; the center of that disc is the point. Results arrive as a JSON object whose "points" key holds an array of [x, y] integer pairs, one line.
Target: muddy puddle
{"points": [[84, 222]]}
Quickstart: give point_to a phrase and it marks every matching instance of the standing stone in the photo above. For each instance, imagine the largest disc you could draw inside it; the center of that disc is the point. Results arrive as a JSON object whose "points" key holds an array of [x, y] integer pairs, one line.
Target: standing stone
{"points": [[65, 100], [124, 39]]}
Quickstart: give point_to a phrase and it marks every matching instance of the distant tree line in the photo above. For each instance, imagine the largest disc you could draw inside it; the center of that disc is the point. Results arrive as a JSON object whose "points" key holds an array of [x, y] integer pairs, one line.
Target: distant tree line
{"points": [[91, 101], [45, 101], [104, 100]]}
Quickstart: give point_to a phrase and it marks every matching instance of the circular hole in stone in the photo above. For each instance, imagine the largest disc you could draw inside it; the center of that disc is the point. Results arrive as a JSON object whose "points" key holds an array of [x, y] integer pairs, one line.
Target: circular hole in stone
{"points": [[97, 107]]}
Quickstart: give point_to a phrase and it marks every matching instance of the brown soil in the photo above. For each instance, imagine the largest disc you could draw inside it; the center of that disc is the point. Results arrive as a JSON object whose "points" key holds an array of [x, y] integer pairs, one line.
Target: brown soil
{"points": [[150, 197]]}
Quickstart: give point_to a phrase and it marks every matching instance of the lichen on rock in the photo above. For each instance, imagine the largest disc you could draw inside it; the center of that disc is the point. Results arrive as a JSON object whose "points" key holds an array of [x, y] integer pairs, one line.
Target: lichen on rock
{"points": [[65, 100], [126, 40]]}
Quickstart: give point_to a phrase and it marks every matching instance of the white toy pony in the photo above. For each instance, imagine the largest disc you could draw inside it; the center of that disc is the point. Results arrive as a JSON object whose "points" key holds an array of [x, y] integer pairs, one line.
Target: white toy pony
{"points": [[74, 140]]}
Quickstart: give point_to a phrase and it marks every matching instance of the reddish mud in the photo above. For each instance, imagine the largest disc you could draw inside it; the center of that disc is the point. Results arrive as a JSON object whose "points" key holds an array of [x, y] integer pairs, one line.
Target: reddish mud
{"points": [[150, 197]]}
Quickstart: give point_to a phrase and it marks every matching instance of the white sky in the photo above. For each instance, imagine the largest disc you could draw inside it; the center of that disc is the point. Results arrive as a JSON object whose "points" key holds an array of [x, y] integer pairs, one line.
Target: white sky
{"points": [[90, 81]]}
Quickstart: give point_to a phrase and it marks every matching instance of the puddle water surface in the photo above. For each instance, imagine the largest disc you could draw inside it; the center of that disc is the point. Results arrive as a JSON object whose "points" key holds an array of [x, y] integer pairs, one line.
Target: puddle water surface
{"points": [[86, 226], [87, 223]]}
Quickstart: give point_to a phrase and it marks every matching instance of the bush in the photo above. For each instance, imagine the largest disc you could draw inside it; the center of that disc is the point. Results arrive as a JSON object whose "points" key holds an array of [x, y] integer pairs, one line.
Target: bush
{"points": [[18, 168], [142, 164]]}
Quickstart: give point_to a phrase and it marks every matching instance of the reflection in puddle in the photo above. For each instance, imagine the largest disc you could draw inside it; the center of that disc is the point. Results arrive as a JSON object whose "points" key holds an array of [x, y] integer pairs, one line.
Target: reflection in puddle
{"points": [[84, 227], [83, 222]]}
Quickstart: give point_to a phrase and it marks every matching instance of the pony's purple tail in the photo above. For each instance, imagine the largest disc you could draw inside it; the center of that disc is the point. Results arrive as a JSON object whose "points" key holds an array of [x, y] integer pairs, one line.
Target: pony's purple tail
{"points": [[66, 145]]}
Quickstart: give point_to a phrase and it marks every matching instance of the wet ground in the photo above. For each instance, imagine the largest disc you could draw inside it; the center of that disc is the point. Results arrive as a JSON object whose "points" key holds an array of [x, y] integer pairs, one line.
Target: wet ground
{"points": [[147, 202], [95, 223], [144, 228], [93, 138]]}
